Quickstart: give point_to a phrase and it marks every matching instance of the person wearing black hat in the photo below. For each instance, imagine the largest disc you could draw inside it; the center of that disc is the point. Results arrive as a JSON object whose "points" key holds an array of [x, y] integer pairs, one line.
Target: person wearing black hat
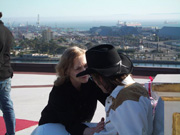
{"points": [[6, 73], [128, 108]]}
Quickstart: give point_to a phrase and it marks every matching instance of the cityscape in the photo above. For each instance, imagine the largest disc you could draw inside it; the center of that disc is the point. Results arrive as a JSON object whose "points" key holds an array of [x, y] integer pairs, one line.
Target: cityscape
{"points": [[143, 44], [146, 31]]}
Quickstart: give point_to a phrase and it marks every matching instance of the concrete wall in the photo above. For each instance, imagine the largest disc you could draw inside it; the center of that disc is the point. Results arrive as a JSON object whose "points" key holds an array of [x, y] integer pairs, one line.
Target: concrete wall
{"points": [[141, 71]]}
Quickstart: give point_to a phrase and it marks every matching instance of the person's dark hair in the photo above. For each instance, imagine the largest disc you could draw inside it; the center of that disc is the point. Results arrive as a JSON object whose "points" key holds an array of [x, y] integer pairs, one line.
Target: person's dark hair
{"points": [[109, 83], [0, 14]]}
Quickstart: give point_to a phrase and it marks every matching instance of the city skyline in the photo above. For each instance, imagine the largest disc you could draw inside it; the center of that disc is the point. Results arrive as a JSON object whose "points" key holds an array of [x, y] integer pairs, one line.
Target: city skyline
{"points": [[91, 10]]}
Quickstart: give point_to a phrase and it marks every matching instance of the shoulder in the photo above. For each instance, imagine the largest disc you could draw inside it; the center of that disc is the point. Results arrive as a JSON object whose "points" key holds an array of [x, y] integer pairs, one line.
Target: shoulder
{"points": [[5, 31], [59, 93], [132, 92], [60, 89], [4, 28]]}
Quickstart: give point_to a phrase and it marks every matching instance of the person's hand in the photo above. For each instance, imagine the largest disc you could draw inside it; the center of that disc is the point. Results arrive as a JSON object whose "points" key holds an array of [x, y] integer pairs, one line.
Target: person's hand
{"points": [[100, 126], [97, 129], [89, 131]]}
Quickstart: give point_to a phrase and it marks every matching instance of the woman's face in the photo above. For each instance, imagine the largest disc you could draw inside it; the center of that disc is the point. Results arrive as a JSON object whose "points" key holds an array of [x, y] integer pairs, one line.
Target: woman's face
{"points": [[80, 65]]}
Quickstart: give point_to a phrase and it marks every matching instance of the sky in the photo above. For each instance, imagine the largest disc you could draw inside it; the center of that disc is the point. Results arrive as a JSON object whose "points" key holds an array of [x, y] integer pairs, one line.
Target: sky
{"points": [[92, 9]]}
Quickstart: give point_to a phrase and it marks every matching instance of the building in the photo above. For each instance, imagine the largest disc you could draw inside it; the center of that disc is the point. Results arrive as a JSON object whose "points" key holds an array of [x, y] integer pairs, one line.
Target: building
{"points": [[114, 31], [169, 32], [47, 35]]}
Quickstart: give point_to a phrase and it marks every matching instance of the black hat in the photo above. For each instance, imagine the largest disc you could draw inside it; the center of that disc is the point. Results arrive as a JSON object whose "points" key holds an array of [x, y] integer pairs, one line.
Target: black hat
{"points": [[105, 60]]}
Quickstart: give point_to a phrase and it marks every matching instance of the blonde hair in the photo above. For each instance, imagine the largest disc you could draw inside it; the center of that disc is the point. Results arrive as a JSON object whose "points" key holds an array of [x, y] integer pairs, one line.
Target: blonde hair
{"points": [[66, 62]]}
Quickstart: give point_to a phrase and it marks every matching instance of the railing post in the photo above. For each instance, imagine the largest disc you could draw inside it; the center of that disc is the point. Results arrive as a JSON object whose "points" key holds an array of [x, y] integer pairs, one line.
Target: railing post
{"points": [[167, 86]]}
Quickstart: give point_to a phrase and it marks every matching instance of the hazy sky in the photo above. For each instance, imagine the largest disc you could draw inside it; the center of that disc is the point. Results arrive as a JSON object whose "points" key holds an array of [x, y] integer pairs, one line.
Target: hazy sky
{"points": [[92, 9]]}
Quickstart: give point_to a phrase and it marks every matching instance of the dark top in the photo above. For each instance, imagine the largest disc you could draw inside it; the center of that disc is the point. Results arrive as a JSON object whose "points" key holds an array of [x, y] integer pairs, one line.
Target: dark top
{"points": [[6, 39], [71, 108]]}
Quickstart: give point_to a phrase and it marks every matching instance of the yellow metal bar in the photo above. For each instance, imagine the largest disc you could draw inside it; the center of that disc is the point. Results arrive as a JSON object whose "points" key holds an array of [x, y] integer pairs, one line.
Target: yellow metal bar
{"points": [[176, 124], [170, 98], [166, 87]]}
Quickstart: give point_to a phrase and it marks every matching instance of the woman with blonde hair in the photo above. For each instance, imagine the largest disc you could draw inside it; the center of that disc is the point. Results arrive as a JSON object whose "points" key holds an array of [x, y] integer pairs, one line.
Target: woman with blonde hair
{"points": [[73, 100]]}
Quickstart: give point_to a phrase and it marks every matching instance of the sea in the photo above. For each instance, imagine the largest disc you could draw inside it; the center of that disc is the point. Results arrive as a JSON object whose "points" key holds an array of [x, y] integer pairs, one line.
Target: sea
{"points": [[156, 65], [84, 26]]}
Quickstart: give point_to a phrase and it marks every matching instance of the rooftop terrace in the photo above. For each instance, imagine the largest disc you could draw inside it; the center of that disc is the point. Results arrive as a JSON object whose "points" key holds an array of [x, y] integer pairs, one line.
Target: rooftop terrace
{"points": [[32, 83], [30, 91]]}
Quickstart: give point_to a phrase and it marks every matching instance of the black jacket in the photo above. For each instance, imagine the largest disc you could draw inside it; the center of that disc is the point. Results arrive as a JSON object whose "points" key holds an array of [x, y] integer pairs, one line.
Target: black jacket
{"points": [[71, 108], [6, 39]]}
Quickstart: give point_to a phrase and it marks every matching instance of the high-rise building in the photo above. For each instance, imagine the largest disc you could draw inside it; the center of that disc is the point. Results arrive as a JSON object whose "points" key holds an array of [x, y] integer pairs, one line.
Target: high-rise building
{"points": [[47, 35]]}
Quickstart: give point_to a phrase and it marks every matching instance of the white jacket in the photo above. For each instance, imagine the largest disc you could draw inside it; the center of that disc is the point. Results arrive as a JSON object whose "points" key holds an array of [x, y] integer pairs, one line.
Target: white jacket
{"points": [[128, 111]]}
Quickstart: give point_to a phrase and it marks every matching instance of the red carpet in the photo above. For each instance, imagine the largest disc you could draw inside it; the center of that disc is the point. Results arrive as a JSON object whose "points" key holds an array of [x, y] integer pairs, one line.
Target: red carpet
{"points": [[20, 125]]}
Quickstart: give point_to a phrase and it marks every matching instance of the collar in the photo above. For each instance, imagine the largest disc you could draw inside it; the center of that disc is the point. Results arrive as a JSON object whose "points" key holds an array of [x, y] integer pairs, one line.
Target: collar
{"points": [[127, 81]]}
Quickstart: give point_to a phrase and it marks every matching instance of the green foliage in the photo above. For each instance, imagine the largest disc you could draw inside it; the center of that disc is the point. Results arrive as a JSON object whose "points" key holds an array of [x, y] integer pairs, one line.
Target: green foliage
{"points": [[37, 46], [178, 55], [60, 49], [156, 51], [61, 40], [126, 51]]}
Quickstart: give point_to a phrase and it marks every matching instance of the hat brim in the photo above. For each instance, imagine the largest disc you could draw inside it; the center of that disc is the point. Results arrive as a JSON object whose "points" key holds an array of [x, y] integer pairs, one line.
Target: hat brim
{"points": [[105, 72], [127, 62], [126, 68]]}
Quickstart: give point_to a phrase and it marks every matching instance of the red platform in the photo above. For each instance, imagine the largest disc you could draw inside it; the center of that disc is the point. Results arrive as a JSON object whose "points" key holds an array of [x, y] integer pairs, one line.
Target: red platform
{"points": [[20, 125]]}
